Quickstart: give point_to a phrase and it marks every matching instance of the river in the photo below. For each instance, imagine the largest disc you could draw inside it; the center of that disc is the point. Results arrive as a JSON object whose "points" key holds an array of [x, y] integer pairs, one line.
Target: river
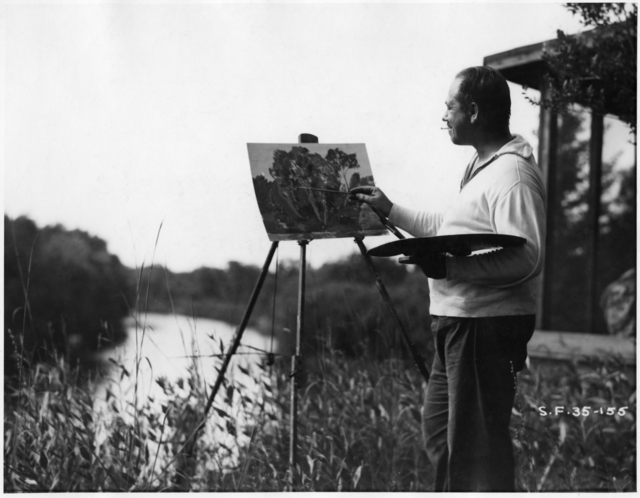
{"points": [[168, 345], [166, 348]]}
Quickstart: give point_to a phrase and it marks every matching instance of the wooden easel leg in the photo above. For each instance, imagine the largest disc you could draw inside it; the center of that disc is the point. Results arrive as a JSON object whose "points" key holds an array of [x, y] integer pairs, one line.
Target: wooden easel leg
{"points": [[189, 448], [296, 365], [417, 357], [243, 324]]}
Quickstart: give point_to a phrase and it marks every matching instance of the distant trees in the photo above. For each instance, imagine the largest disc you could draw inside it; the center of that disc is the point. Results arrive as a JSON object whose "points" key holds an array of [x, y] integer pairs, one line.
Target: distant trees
{"points": [[63, 291], [343, 306]]}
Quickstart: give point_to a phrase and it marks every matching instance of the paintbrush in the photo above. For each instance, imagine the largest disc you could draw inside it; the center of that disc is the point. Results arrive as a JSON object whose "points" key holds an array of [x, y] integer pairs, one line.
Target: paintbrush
{"points": [[323, 190], [385, 221], [390, 226]]}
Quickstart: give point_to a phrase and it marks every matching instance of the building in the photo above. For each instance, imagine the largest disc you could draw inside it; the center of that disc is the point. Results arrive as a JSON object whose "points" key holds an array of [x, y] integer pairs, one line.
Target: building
{"points": [[588, 161]]}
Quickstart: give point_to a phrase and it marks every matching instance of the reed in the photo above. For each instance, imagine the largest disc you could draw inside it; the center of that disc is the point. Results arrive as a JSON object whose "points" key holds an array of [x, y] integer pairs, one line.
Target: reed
{"points": [[359, 430]]}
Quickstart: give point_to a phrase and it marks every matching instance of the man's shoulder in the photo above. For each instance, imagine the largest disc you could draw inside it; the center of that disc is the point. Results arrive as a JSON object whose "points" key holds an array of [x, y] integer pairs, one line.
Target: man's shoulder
{"points": [[512, 165], [509, 171]]}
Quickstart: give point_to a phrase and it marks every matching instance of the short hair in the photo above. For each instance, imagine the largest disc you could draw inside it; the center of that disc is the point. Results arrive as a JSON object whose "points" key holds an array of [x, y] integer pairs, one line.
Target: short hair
{"points": [[489, 90]]}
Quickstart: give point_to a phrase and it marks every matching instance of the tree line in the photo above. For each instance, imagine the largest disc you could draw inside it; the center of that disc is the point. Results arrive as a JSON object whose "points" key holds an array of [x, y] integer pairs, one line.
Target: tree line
{"points": [[65, 293]]}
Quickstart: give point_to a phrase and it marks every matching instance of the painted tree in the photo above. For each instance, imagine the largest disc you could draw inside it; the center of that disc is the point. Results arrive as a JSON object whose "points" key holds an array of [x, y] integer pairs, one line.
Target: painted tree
{"points": [[342, 163], [598, 68], [297, 173]]}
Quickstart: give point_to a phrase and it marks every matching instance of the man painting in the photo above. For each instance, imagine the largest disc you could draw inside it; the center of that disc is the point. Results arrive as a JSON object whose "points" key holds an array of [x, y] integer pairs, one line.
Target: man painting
{"points": [[483, 305]]}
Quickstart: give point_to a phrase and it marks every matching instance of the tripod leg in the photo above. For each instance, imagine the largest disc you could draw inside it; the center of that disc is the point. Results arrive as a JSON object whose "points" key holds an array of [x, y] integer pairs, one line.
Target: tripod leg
{"points": [[296, 363], [417, 357], [243, 324], [189, 448]]}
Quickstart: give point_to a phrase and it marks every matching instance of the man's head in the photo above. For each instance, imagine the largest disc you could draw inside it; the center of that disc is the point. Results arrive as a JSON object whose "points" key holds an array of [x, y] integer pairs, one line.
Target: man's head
{"points": [[478, 100]]}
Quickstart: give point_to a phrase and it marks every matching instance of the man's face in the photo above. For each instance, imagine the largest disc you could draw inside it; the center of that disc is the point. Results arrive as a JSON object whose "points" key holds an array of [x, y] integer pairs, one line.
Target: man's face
{"points": [[457, 120]]}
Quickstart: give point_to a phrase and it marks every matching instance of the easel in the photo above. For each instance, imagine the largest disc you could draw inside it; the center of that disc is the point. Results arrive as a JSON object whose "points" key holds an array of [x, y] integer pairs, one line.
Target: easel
{"points": [[296, 363]]}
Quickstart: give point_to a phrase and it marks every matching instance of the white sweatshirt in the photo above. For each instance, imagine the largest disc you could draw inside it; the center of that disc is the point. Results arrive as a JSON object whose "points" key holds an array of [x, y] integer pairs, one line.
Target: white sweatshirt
{"points": [[505, 196]]}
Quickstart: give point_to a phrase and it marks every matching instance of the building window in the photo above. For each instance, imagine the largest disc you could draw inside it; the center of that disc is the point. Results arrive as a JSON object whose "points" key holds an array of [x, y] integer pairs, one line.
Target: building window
{"points": [[615, 282], [591, 226], [568, 247]]}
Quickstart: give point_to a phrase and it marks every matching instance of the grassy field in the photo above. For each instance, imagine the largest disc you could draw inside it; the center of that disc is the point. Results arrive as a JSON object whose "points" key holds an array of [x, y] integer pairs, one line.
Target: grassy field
{"points": [[359, 429]]}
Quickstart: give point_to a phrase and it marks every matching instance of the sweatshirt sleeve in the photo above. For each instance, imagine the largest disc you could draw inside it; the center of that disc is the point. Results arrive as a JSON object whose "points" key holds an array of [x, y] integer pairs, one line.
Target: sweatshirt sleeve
{"points": [[417, 223], [521, 212]]}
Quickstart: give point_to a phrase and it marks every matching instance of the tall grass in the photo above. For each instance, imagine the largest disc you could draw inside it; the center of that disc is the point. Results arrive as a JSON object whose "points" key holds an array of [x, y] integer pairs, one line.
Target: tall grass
{"points": [[578, 449], [359, 429], [71, 429]]}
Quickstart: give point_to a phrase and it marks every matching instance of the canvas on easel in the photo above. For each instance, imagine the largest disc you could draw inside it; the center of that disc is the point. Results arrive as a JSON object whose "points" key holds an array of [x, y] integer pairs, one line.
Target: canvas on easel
{"points": [[302, 190], [289, 180]]}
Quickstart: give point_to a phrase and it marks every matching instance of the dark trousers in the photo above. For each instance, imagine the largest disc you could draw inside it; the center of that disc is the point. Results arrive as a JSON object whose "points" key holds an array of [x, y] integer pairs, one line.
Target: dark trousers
{"points": [[469, 399]]}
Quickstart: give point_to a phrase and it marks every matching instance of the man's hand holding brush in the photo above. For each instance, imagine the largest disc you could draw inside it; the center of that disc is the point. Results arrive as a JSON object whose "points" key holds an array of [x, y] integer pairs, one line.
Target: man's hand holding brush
{"points": [[432, 265], [372, 196]]}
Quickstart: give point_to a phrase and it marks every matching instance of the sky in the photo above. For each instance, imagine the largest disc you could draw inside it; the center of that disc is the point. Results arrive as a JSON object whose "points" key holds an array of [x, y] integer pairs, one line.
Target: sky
{"points": [[131, 120]]}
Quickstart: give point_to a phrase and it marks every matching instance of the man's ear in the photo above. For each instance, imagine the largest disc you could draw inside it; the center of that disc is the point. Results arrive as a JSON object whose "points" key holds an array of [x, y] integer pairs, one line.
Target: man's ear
{"points": [[473, 113]]}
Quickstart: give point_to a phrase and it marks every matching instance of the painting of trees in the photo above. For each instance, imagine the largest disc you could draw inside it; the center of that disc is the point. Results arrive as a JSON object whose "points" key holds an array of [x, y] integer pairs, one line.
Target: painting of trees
{"points": [[302, 193]]}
